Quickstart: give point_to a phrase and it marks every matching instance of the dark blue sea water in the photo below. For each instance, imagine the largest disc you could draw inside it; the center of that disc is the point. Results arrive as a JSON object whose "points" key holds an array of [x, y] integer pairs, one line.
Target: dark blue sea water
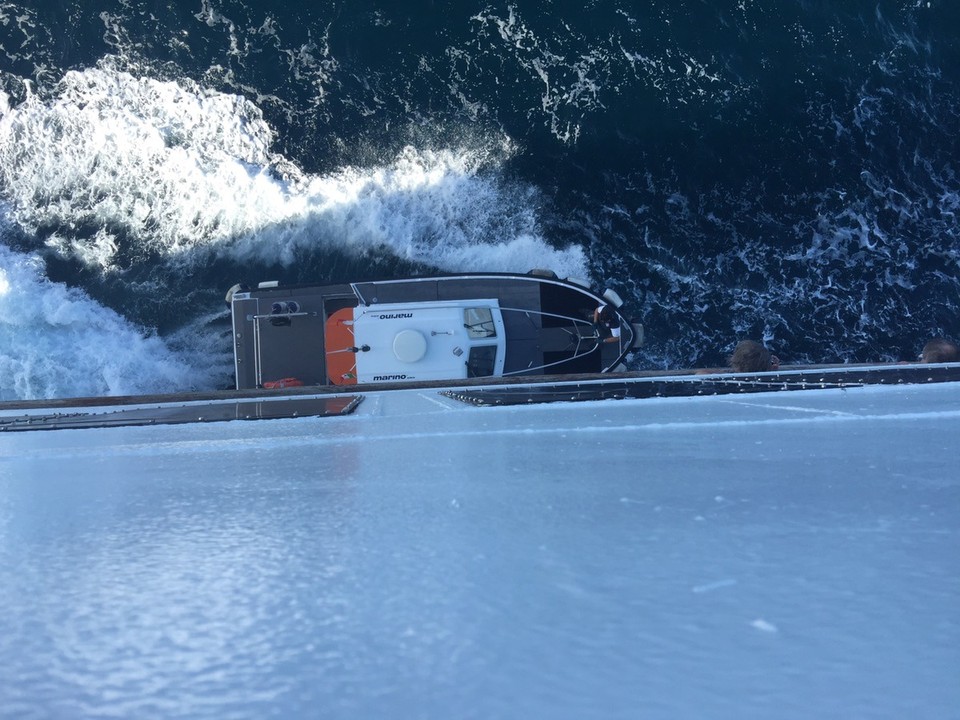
{"points": [[782, 171]]}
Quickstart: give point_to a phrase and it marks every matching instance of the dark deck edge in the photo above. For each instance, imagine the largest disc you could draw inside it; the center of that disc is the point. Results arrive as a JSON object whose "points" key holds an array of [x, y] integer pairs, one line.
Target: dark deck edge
{"points": [[182, 414], [361, 388], [710, 384]]}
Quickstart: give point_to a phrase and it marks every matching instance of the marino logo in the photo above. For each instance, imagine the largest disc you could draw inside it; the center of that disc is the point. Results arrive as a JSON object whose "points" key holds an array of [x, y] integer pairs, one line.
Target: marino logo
{"points": [[395, 316], [377, 378]]}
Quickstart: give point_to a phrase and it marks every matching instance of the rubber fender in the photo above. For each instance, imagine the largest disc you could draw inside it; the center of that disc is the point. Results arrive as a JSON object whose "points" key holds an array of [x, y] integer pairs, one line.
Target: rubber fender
{"points": [[611, 297], [231, 292]]}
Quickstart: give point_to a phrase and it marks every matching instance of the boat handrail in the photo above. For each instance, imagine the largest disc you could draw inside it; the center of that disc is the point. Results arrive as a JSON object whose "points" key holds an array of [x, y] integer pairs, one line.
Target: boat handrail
{"points": [[360, 297], [282, 315]]}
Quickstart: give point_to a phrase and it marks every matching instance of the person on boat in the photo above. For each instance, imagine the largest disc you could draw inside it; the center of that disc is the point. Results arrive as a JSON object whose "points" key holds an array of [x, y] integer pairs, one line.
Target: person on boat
{"points": [[606, 319], [940, 350]]}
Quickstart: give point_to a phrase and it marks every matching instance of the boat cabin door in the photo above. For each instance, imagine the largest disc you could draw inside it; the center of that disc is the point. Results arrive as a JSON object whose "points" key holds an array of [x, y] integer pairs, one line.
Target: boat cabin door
{"points": [[287, 341]]}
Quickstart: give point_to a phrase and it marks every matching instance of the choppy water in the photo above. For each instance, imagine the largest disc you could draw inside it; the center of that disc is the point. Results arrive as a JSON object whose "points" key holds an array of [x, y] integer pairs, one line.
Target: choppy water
{"points": [[781, 171]]}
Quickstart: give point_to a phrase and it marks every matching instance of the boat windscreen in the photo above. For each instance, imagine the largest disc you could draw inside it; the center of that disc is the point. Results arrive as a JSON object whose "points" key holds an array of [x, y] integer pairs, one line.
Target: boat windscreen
{"points": [[479, 322], [482, 361]]}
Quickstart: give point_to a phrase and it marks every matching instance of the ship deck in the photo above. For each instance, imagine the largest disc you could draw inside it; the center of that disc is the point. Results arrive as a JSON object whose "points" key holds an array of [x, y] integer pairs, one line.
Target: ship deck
{"points": [[329, 400]]}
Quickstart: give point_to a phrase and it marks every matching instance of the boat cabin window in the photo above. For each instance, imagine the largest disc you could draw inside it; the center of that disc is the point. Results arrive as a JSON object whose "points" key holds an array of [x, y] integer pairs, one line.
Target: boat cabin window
{"points": [[479, 322], [482, 361]]}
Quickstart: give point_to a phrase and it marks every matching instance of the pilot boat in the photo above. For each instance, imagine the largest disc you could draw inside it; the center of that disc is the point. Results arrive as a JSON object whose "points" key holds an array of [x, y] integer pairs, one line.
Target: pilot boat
{"points": [[449, 327]]}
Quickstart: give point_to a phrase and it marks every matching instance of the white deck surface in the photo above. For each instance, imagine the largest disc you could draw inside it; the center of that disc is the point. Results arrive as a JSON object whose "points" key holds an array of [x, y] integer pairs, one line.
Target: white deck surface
{"points": [[783, 555]]}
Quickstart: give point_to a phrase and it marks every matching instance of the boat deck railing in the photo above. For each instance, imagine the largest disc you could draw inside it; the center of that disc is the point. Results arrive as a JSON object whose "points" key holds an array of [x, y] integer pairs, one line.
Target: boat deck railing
{"points": [[328, 400]]}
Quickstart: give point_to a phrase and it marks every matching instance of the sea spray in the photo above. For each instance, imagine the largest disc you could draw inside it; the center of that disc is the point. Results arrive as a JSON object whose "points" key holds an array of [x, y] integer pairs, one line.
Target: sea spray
{"points": [[57, 342], [120, 170]]}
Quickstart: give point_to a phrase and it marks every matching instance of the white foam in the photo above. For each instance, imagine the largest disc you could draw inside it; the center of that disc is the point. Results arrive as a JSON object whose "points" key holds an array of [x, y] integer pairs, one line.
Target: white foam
{"points": [[115, 166], [113, 170], [56, 341]]}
